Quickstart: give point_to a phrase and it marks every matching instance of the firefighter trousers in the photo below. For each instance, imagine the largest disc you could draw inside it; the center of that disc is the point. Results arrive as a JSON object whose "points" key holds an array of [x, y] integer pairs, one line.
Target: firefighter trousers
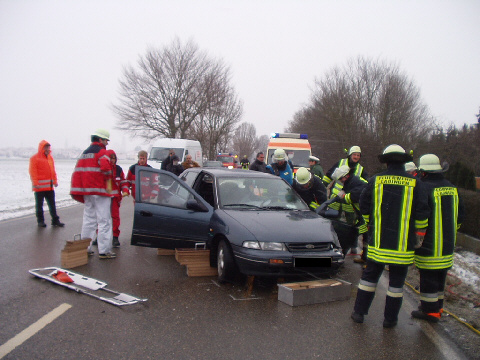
{"points": [[368, 285], [432, 287]]}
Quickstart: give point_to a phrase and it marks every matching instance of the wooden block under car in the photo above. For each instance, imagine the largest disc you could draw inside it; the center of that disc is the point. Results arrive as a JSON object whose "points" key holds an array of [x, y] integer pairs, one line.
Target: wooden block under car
{"points": [[166, 252], [75, 253], [197, 262], [188, 256], [314, 292]]}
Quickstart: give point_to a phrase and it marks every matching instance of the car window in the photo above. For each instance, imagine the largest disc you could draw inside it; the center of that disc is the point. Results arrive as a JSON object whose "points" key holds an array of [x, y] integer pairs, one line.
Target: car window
{"points": [[257, 193], [189, 177], [163, 189]]}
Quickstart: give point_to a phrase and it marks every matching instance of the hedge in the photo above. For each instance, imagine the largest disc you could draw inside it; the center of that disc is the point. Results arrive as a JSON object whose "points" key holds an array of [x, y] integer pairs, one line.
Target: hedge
{"points": [[470, 225]]}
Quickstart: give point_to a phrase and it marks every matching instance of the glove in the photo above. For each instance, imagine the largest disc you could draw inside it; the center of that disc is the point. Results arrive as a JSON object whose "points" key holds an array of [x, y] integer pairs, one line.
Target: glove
{"points": [[420, 235], [341, 194], [339, 199]]}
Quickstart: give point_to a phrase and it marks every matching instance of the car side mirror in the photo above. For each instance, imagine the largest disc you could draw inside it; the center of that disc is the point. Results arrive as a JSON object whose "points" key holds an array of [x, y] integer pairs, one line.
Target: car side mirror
{"points": [[194, 205]]}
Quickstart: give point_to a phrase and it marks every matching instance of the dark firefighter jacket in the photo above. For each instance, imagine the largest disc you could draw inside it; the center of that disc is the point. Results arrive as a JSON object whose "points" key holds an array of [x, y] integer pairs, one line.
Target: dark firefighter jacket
{"points": [[316, 193], [394, 204], [359, 170], [447, 215]]}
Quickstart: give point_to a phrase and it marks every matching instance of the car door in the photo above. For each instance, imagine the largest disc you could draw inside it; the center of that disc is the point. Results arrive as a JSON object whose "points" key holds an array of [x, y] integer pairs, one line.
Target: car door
{"points": [[168, 213]]}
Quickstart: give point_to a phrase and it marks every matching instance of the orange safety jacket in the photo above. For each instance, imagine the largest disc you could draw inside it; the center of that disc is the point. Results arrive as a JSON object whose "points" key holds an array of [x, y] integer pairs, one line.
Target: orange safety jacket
{"points": [[42, 170]]}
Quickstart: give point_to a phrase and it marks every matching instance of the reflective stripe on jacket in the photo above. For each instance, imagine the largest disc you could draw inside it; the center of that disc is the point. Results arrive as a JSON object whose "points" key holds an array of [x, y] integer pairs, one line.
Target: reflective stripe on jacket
{"points": [[91, 172], [394, 204], [42, 170], [447, 215]]}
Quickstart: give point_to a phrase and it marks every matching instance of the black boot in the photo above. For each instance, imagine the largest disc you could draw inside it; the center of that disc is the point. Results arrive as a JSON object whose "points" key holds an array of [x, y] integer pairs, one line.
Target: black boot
{"points": [[115, 242], [58, 223], [42, 224]]}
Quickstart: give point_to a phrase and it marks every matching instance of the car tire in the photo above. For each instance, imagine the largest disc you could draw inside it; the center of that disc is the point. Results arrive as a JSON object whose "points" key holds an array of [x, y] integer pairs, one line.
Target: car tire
{"points": [[225, 263]]}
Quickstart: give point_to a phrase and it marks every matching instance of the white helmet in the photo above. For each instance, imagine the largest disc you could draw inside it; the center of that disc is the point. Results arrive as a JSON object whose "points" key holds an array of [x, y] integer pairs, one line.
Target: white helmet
{"points": [[279, 154], [102, 134], [354, 149], [303, 176], [410, 166], [394, 153], [430, 163], [340, 172]]}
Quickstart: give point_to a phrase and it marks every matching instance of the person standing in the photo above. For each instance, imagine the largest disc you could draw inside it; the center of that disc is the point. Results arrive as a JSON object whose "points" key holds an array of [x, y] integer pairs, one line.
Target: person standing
{"points": [[189, 163], [92, 186], [315, 167], [280, 166], [119, 190], [395, 206], [245, 163], [149, 190], [310, 188], [434, 256], [259, 163], [175, 167], [167, 160], [44, 180]]}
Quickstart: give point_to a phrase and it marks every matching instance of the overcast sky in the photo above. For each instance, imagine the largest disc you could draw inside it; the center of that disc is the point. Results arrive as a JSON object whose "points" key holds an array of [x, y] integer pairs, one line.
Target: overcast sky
{"points": [[61, 61]]}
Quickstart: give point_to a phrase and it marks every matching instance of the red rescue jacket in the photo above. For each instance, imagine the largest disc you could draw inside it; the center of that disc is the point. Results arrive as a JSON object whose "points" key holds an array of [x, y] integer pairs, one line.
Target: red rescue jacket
{"points": [[91, 173], [42, 170], [120, 185]]}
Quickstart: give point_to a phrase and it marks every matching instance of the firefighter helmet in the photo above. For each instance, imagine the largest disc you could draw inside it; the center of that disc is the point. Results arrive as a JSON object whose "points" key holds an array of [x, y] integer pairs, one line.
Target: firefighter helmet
{"points": [[410, 166], [430, 163], [102, 134], [303, 176], [279, 155], [354, 149], [340, 172], [396, 154]]}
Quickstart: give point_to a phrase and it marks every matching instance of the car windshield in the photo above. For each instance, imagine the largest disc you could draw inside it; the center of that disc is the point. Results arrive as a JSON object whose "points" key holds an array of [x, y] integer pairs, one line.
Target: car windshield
{"points": [[160, 153], [257, 193], [297, 157]]}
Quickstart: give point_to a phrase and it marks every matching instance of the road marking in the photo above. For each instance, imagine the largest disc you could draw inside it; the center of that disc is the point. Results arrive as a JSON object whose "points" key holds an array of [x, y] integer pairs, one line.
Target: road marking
{"points": [[26, 334]]}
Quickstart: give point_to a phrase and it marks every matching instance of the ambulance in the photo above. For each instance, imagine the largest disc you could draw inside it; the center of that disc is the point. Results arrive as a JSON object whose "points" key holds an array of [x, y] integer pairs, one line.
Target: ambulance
{"points": [[296, 147]]}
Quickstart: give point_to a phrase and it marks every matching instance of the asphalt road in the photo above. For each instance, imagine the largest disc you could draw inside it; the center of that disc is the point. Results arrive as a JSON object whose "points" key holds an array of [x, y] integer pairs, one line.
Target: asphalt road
{"points": [[184, 317]]}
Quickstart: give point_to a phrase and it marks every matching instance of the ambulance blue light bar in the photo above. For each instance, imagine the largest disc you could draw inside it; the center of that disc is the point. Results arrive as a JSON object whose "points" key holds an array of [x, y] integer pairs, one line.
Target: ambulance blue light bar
{"points": [[289, 135]]}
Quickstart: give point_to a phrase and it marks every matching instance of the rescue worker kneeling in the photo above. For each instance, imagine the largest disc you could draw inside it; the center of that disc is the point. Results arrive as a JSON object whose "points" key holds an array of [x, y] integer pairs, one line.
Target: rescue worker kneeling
{"points": [[395, 206], [310, 188], [434, 256]]}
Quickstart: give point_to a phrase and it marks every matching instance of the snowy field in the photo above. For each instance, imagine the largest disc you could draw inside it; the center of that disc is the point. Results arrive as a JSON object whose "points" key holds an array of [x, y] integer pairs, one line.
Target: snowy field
{"points": [[17, 198]]}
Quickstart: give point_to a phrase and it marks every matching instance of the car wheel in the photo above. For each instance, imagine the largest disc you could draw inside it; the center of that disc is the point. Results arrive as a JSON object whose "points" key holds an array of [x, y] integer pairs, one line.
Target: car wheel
{"points": [[225, 263]]}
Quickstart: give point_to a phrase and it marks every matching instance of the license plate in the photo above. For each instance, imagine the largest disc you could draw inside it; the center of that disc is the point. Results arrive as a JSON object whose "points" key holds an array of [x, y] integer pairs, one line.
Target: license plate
{"points": [[313, 262]]}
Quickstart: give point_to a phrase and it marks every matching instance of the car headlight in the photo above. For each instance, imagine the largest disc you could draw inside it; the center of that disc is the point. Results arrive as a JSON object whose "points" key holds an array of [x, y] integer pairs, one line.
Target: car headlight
{"points": [[264, 245]]}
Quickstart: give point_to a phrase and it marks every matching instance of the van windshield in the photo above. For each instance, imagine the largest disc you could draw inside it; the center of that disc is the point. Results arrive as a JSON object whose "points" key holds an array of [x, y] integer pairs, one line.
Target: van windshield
{"points": [[161, 153], [299, 158]]}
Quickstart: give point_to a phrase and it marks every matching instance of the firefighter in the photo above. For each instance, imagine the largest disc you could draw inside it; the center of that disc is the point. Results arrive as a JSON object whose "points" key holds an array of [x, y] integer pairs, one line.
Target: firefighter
{"points": [[245, 163], [310, 188], [395, 206], [353, 162], [411, 168], [434, 256], [352, 186]]}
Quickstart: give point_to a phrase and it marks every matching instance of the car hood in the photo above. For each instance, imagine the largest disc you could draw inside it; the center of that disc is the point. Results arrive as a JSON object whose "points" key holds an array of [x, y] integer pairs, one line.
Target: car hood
{"points": [[283, 226]]}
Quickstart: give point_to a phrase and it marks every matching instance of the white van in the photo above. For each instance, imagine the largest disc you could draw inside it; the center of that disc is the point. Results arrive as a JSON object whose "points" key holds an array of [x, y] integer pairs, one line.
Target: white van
{"points": [[182, 147]]}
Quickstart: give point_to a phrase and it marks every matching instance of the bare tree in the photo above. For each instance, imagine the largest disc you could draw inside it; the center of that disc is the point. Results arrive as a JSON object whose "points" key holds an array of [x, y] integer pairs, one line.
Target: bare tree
{"points": [[245, 140], [169, 90], [367, 103]]}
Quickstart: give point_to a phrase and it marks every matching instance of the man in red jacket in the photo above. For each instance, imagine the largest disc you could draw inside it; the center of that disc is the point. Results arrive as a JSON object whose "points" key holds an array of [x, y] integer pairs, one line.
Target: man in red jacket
{"points": [[92, 185], [44, 179]]}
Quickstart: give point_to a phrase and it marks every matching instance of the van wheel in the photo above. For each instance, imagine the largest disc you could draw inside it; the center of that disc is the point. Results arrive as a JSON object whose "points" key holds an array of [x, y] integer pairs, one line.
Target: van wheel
{"points": [[225, 263]]}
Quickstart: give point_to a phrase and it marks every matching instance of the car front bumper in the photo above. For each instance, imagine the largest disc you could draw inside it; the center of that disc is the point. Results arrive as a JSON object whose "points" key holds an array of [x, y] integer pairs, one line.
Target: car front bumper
{"points": [[284, 263]]}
